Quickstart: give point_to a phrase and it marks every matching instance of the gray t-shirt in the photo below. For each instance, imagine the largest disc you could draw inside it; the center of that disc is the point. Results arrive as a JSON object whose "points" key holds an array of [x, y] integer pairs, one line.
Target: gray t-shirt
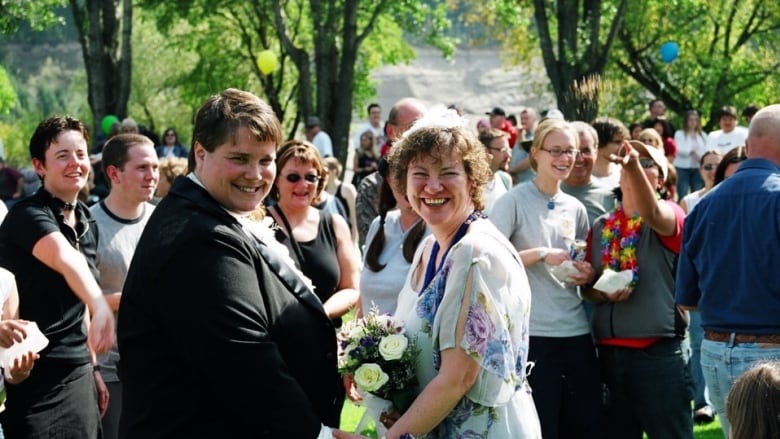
{"points": [[524, 217], [117, 240], [597, 197]]}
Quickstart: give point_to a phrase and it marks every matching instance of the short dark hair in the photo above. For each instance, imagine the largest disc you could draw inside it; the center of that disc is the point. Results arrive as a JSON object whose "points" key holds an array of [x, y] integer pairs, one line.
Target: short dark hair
{"points": [[607, 127], [49, 129], [653, 102], [735, 155], [223, 114], [371, 106], [115, 150], [750, 110]]}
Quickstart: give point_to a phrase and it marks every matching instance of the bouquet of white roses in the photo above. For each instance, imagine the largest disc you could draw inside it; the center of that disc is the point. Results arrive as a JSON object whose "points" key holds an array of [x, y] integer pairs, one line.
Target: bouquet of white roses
{"points": [[380, 356]]}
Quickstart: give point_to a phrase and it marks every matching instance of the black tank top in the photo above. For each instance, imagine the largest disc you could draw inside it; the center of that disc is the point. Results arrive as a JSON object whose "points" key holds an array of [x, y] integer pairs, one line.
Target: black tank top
{"points": [[320, 260]]}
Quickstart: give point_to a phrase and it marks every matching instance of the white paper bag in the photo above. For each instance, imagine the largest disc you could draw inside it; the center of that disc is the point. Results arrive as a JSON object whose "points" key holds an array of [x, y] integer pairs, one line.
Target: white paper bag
{"points": [[35, 342], [612, 281]]}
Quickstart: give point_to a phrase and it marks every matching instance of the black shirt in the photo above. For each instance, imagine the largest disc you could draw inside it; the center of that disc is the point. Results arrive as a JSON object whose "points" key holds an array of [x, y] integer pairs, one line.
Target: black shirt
{"points": [[44, 295]]}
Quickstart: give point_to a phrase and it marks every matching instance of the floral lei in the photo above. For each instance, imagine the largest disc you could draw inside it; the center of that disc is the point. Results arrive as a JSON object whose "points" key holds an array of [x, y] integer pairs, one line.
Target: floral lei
{"points": [[619, 239]]}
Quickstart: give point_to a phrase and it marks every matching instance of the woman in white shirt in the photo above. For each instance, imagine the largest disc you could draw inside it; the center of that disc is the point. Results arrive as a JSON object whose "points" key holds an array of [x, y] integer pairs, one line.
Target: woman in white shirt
{"points": [[691, 144]]}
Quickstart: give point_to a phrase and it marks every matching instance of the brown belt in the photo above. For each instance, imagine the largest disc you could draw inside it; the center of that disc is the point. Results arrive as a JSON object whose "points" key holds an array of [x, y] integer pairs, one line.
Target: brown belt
{"points": [[742, 338]]}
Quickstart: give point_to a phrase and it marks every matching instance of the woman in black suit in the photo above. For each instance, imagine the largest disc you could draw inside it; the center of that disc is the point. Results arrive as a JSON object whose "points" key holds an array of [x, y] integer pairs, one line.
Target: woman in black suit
{"points": [[219, 336]]}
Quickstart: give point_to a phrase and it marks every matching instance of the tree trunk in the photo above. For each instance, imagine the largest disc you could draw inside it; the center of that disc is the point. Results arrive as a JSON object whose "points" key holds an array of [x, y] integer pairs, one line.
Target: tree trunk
{"points": [[574, 71], [105, 32]]}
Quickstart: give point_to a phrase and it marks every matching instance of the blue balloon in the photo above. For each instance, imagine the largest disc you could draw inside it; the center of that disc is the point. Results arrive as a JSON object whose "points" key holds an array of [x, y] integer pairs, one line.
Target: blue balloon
{"points": [[669, 51]]}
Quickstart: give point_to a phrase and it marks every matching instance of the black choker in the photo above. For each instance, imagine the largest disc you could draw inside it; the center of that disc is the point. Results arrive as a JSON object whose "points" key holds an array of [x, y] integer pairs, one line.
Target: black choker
{"points": [[64, 205]]}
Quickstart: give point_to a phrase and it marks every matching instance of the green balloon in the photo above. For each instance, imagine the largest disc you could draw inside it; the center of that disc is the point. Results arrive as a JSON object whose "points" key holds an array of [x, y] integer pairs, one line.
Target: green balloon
{"points": [[107, 122]]}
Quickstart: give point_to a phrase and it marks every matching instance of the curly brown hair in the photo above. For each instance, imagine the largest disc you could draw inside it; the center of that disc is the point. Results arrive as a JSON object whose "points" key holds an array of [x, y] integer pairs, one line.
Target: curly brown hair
{"points": [[438, 143]]}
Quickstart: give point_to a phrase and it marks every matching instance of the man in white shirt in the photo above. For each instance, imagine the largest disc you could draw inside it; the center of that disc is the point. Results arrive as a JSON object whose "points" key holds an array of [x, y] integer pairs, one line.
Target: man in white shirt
{"points": [[319, 138], [374, 125], [729, 135]]}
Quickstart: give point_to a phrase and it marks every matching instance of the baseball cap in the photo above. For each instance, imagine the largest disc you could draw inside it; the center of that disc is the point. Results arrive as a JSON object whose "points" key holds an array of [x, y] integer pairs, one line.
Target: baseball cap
{"points": [[656, 154], [497, 111], [312, 121]]}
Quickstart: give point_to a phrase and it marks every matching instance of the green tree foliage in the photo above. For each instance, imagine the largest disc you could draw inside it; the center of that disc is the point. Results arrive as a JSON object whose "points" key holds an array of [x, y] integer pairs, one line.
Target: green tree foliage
{"points": [[8, 98], [156, 97], [325, 48], [728, 52], [39, 14]]}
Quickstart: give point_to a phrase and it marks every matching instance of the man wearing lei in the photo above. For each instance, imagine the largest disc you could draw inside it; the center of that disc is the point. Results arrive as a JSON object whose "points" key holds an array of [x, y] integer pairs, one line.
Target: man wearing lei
{"points": [[639, 330]]}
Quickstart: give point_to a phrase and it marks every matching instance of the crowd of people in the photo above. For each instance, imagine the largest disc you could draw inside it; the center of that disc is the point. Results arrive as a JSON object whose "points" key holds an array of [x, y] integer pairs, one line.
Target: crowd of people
{"points": [[561, 279]]}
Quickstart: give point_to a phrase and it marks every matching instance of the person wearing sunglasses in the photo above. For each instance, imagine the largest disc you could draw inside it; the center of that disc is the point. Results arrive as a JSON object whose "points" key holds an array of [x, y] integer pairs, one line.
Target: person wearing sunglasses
{"points": [[542, 223], [707, 165], [639, 330], [319, 242]]}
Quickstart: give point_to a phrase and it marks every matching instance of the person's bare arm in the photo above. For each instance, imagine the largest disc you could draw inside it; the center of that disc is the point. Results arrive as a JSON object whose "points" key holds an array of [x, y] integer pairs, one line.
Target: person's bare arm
{"points": [[346, 296], [55, 251]]}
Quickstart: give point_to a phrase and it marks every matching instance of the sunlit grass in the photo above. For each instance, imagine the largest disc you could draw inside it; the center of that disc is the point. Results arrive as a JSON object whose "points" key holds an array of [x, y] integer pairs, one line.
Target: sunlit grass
{"points": [[351, 415]]}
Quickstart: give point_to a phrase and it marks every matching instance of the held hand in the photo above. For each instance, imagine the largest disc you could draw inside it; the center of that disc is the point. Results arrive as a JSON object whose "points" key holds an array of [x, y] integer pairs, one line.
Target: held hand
{"points": [[102, 393], [101, 329], [556, 256], [625, 155], [351, 388], [12, 331], [21, 367], [585, 275], [618, 296]]}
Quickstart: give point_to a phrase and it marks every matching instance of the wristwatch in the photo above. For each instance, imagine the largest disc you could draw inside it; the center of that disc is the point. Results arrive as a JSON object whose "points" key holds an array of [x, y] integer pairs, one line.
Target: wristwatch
{"points": [[543, 254]]}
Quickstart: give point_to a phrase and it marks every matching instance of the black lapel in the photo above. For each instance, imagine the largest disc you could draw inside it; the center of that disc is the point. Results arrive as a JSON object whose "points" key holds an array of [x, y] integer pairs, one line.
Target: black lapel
{"points": [[288, 277]]}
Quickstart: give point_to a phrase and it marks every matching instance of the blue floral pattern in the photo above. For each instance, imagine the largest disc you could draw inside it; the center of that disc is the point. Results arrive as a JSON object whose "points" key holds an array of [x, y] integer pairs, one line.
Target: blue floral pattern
{"points": [[493, 287]]}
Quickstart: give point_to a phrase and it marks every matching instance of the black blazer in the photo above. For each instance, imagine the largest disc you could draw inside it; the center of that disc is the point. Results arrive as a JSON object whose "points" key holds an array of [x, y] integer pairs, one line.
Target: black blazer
{"points": [[217, 337]]}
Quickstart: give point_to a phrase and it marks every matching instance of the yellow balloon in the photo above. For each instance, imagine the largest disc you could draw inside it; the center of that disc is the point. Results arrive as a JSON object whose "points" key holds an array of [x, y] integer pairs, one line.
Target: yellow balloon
{"points": [[267, 62]]}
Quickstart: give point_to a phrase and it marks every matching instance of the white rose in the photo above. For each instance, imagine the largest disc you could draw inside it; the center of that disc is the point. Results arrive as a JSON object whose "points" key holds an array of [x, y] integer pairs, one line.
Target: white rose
{"points": [[393, 346], [369, 377]]}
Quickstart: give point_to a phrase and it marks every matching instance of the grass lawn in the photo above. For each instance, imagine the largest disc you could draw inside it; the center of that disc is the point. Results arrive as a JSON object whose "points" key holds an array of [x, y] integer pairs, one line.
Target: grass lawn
{"points": [[350, 417]]}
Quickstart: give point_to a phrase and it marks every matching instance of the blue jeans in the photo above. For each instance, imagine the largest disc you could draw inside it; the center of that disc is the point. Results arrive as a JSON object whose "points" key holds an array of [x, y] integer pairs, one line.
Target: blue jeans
{"points": [[650, 390], [696, 333], [723, 362], [688, 180]]}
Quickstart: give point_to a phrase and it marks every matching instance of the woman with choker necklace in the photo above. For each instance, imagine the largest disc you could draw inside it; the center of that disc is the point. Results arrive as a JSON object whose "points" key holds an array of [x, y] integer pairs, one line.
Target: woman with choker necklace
{"points": [[639, 330], [49, 242], [319, 242], [466, 299], [543, 223]]}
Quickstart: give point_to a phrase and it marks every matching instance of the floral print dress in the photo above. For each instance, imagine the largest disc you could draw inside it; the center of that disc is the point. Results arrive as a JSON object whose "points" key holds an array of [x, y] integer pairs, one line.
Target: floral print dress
{"points": [[483, 273]]}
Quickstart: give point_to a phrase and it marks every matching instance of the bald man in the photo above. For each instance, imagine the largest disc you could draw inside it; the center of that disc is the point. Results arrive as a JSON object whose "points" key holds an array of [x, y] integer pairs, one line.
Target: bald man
{"points": [[729, 262], [402, 116]]}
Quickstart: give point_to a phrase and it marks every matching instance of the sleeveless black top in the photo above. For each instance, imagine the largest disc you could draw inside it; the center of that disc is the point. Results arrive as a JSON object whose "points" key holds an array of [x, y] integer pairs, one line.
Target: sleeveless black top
{"points": [[320, 260]]}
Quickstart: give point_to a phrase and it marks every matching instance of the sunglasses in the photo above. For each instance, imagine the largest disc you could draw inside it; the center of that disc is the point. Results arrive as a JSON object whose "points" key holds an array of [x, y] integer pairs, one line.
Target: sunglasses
{"points": [[709, 167], [295, 178], [646, 162]]}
